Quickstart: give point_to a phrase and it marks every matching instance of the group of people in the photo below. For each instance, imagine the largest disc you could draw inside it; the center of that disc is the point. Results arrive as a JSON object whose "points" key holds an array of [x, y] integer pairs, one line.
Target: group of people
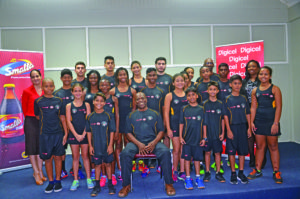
{"points": [[111, 118]]}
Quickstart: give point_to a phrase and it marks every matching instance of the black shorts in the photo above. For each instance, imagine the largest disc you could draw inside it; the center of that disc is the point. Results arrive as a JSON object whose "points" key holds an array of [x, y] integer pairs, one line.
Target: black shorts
{"points": [[51, 144], [189, 151], [264, 128], [213, 144], [175, 132], [73, 140], [103, 159], [239, 143], [32, 135]]}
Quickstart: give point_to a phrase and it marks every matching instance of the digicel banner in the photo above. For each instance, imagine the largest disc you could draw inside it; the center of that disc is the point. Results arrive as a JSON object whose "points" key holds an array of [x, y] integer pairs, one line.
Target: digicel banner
{"points": [[237, 56]]}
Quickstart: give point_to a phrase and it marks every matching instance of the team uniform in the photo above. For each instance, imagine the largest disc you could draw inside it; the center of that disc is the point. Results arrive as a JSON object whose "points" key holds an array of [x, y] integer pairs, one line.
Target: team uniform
{"points": [[89, 98], [265, 112], [138, 86], [214, 112], [224, 90], [84, 82], [164, 82], [111, 79], [155, 98], [78, 115], [125, 107], [192, 118], [202, 92], [145, 126], [214, 77], [100, 125], [175, 107], [109, 106], [247, 87], [65, 95], [51, 130], [236, 108]]}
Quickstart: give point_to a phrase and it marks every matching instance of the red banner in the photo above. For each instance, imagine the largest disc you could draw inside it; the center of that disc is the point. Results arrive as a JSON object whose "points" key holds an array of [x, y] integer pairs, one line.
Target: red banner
{"points": [[15, 67], [237, 56]]}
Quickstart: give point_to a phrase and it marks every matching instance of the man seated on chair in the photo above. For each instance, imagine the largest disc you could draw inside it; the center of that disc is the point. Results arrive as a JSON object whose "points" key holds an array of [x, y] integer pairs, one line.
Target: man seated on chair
{"points": [[144, 131]]}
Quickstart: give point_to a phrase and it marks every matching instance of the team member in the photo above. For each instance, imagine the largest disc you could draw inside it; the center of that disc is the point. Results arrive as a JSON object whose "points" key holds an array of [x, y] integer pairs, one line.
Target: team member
{"points": [[224, 81], [76, 113], [80, 70], [100, 127], [236, 118], [49, 110], [65, 93], [190, 133], [111, 107], [126, 98], [265, 116], [92, 87], [187, 82], [202, 86], [213, 130], [173, 103], [145, 130], [190, 72], [31, 125], [137, 81], [109, 64], [209, 62]]}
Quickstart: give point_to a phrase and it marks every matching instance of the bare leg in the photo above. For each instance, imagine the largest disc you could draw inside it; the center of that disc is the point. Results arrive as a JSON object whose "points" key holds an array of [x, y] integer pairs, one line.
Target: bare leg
{"points": [[176, 149], [274, 151], [118, 150], [49, 168], [232, 162], [97, 171], [86, 160], [187, 167], [197, 167], [260, 150], [207, 160], [167, 141], [241, 162], [40, 167], [75, 156], [57, 162], [181, 159], [218, 161], [108, 170]]}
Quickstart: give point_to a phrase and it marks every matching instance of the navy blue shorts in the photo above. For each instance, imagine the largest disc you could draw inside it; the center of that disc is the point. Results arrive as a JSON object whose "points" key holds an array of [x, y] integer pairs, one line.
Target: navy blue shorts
{"points": [[264, 127], [51, 144], [239, 143], [213, 144], [103, 159], [189, 151]]}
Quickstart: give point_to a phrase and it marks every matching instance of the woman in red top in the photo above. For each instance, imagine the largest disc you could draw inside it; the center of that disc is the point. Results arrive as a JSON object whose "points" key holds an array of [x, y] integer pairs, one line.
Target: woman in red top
{"points": [[31, 125]]}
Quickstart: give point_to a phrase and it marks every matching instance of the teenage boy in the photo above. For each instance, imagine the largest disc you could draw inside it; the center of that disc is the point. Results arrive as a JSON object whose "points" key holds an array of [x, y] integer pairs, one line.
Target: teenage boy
{"points": [[225, 89], [236, 118], [80, 70], [109, 64], [49, 110]]}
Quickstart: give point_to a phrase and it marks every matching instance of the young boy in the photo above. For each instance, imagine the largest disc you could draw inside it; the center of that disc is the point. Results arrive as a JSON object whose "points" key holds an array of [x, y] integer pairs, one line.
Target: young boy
{"points": [[53, 132], [190, 135], [100, 129], [224, 81], [202, 85], [236, 118], [213, 129]]}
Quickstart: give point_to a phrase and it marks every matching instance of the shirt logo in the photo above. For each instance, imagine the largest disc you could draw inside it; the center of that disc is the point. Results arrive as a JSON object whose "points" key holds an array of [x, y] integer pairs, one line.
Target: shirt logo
{"points": [[198, 117], [104, 123], [257, 94], [243, 105], [271, 96], [57, 107], [166, 82], [134, 86], [72, 97], [117, 95], [157, 96], [218, 111], [88, 96], [176, 101], [150, 118], [238, 106], [51, 107], [74, 110], [213, 111], [229, 90]]}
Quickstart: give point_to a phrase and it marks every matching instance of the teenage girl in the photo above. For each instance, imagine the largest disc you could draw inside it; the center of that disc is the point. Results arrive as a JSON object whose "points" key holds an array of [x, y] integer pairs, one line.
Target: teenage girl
{"points": [[187, 82], [138, 82], [92, 87], [126, 97], [173, 103], [265, 116], [76, 113], [190, 71]]}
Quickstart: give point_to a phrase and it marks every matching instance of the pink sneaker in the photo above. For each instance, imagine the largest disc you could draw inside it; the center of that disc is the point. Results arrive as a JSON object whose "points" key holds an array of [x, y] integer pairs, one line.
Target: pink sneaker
{"points": [[102, 181], [113, 179]]}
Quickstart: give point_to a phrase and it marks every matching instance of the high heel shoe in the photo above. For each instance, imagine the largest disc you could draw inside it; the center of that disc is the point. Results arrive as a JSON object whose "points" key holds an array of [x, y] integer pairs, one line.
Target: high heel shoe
{"points": [[44, 178], [38, 179]]}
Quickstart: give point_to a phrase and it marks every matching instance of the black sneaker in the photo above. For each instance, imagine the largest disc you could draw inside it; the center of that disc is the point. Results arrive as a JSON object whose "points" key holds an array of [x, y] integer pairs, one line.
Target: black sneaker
{"points": [[111, 190], [49, 188], [242, 178], [95, 191], [207, 176], [277, 177], [233, 179], [219, 177], [57, 187], [254, 174]]}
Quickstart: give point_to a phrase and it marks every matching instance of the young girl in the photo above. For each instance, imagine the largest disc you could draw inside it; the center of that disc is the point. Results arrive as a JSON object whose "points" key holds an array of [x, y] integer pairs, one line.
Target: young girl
{"points": [[190, 72], [187, 82], [111, 107], [266, 109], [137, 81], [173, 103], [76, 113], [126, 98], [93, 87], [202, 86]]}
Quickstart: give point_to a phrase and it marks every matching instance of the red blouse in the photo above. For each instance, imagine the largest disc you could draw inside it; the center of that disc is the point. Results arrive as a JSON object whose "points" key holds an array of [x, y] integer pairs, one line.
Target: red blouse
{"points": [[28, 97]]}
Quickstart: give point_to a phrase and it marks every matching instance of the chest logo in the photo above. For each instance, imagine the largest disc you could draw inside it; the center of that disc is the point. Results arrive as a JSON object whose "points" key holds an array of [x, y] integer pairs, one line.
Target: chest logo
{"points": [[74, 110]]}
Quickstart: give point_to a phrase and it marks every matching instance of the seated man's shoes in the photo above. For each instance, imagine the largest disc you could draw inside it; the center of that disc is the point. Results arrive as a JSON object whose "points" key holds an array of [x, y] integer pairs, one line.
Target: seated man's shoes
{"points": [[124, 191], [170, 190]]}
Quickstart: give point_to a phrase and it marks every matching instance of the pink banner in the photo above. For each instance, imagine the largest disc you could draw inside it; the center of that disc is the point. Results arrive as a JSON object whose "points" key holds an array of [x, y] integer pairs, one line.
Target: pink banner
{"points": [[237, 56], [15, 67]]}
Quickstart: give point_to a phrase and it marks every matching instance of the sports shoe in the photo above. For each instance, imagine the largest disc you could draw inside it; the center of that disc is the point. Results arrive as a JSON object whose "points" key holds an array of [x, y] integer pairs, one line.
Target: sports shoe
{"points": [[81, 174], [220, 177], [93, 174], [207, 176], [277, 177], [103, 181], [74, 185], [158, 169], [188, 183], [111, 190], [202, 172], [182, 176], [145, 172], [120, 176], [175, 176], [114, 180], [49, 188], [95, 191], [133, 166], [254, 174], [89, 183], [64, 174], [233, 179], [236, 166], [141, 165], [242, 178], [57, 187], [199, 183]]}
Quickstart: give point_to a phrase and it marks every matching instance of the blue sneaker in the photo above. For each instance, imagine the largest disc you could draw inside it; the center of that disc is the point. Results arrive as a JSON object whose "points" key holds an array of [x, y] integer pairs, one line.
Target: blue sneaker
{"points": [[74, 185], [182, 176], [93, 174], [199, 183], [89, 183], [188, 184]]}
